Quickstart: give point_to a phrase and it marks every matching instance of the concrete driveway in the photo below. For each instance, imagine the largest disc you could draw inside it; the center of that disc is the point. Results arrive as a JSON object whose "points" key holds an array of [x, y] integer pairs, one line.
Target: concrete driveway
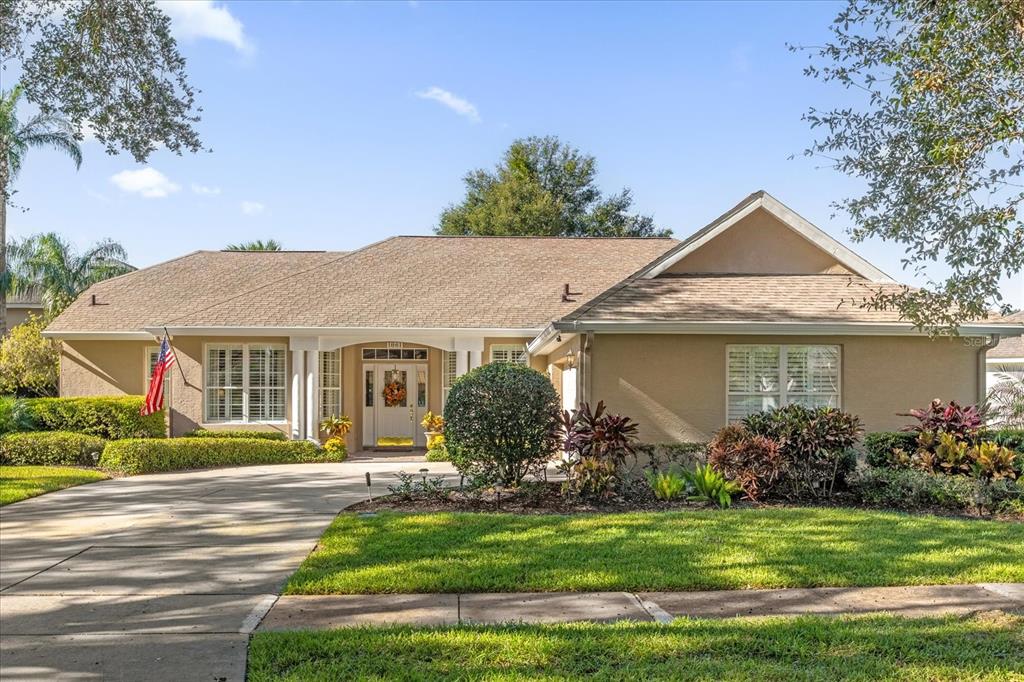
{"points": [[162, 577]]}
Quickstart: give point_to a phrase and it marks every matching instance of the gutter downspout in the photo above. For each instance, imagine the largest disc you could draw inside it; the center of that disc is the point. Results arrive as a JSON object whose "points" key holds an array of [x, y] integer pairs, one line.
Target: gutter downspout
{"points": [[982, 367], [585, 371]]}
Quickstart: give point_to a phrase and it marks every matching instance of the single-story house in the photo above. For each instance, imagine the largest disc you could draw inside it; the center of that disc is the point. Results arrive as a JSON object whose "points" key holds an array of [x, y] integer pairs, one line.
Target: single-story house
{"points": [[21, 306], [758, 309]]}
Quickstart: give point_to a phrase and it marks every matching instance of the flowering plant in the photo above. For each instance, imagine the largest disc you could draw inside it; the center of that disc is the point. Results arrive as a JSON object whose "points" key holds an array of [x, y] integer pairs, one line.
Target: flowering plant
{"points": [[432, 422]]}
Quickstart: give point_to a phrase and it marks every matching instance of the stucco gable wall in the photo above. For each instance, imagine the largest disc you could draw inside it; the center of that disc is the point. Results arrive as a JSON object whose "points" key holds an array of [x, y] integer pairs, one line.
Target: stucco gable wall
{"points": [[675, 385], [90, 368], [759, 244]]}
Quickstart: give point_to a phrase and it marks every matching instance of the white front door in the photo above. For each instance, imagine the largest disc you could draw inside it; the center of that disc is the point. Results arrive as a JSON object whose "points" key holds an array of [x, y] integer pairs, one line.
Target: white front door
{"points": [[399, 402]]}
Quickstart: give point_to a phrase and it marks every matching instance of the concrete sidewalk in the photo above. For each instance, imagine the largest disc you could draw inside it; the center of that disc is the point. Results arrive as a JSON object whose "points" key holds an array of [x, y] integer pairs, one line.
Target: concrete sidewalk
{"points": [[335, 611]]}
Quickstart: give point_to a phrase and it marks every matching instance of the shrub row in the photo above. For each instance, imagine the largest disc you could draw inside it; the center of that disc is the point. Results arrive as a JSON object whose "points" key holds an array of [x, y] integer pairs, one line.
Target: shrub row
{"points": [[107, 417], [265, 435], [149, 455], [911, 489], [50, 448]]}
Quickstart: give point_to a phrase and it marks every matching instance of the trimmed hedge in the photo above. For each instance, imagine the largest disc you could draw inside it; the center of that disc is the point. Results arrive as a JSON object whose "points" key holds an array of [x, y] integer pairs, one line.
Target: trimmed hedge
{"points": [[265, 435], [150, 455], [879, 445], [50, 448], [107, 417]]}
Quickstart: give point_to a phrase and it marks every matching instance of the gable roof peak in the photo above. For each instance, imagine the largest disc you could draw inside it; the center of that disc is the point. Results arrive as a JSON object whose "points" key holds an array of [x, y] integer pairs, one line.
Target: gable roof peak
{"points": [[762, 200]]}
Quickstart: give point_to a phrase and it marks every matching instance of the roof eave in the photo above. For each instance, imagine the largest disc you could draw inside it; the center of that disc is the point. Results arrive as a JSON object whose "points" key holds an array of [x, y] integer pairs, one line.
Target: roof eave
{"points": [[781, 328]]}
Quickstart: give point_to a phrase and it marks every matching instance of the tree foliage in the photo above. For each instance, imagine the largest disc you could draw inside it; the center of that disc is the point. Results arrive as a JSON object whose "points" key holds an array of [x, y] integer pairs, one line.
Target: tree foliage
{"points": [[543, 186], [109, 64], [49, 265], [937, 139], [255, 245], [29, 362]]}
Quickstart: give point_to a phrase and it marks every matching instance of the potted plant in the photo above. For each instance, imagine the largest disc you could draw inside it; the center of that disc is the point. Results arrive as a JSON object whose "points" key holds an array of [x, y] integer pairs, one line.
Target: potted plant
{"points": [[336, 429], [433, 429]]}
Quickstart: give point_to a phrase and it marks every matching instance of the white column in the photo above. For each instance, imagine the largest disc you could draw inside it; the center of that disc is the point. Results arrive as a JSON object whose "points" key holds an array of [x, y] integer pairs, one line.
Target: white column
{"points": [[461, 362], [475, 358], [298, 396], [312, 389]]}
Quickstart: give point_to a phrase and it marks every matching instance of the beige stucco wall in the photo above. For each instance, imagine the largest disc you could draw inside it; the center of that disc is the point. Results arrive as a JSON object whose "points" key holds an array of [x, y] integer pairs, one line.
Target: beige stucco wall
{"points": [[759, 243], [674, 385], [103, 367], [17, 315]]}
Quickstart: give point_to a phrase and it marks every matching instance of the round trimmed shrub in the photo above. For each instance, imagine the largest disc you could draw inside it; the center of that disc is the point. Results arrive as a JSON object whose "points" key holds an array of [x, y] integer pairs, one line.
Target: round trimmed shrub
{"points": [[500, 422], [65, 448]]}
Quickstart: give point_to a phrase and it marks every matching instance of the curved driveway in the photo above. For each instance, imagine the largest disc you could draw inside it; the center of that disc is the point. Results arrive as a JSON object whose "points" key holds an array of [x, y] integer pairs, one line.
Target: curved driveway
{"points": [[163, 576]]}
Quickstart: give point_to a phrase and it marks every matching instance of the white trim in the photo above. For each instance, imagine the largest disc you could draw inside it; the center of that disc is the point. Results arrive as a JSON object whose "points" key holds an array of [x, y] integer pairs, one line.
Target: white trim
{"points": [[298, 371], [382, 333], [747, 327], [1003, 361], [803, 227], [24, 306]]}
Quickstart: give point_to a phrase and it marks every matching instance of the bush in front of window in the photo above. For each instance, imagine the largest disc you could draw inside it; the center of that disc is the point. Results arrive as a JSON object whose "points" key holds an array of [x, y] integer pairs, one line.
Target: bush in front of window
{"points": [[227, 433], [914, 489], [41, 448], [107, 417], [500, 422], [150, 455], [816, 444]]}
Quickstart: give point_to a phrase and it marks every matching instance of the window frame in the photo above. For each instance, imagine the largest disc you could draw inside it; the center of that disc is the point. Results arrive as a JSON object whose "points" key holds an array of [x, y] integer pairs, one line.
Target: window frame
{"points": [[783, 357], [520, 347], [246, 384]]}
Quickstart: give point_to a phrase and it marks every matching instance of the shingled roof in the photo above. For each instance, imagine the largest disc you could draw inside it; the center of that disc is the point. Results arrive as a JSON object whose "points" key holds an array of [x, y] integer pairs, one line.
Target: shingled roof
{"points": [[1010, 347], [401, 282], [739, 298]]}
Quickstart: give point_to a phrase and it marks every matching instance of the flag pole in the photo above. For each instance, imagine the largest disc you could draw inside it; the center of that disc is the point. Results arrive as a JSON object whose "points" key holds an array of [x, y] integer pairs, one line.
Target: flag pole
{"points": [[167, 336]]}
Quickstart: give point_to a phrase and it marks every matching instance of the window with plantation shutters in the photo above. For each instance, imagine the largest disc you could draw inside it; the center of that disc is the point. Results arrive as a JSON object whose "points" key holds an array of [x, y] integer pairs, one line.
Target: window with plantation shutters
{"points": [[513, 353], [448, 370], [330, 384], [245, 383], [761, 377]]}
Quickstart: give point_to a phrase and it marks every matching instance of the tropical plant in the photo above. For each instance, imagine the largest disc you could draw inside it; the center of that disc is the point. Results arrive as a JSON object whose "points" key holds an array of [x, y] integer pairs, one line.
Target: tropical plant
{"points": [[432, 422], [708, 485], [255, 245], [596, 444], [962, 421], [754, 462], [336, 427], [499, 422], [816, 444], [590, 478], [993, 462], [667, 485], [1005, 400], [543, 186], [48, 264], [29, 363], [937, 125], [16, 138]]}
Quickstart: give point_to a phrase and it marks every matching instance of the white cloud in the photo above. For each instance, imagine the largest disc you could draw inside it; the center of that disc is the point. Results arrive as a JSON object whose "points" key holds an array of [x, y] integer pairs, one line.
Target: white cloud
{"points": [[252, 207], [205, 191], [149, 182], [198, 19], [460, 106]]}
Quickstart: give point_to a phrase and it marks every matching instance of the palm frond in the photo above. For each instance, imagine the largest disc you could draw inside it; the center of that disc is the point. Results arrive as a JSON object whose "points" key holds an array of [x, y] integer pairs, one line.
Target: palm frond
{"points": [[255, 245], [59, 140]]}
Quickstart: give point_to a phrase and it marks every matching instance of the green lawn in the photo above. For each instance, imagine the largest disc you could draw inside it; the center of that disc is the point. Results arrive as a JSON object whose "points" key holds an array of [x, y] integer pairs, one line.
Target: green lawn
{"points": [[690, 550], [984, 647], [20, 483]]}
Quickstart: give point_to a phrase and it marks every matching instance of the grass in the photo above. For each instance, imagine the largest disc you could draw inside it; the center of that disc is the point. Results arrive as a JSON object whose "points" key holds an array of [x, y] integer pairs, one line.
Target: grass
{"points": [[983, 647], [21, 483], [690, 550]]}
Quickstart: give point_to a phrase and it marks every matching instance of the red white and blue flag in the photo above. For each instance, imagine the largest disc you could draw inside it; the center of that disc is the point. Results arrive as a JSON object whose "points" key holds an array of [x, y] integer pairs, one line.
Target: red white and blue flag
{"points": [[155, 396]]}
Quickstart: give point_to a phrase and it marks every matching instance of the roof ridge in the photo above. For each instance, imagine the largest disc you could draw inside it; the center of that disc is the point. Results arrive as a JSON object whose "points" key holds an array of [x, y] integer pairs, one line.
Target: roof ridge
{"points": [[530, 237], [344, 255]]}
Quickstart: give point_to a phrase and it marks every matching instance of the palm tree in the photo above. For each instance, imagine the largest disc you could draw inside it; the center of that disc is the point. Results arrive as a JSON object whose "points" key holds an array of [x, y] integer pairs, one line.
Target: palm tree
{"points": [[1006, 398], [16, 138], [50, 265], [257, 245]]}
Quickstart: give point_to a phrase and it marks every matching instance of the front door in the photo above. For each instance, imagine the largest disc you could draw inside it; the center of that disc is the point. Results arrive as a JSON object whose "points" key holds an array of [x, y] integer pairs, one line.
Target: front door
{"points": [[399, 405]]}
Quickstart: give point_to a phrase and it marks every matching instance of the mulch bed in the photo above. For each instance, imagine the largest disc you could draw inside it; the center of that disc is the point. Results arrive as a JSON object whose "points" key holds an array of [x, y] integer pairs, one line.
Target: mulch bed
{"points": [[545, 497]]}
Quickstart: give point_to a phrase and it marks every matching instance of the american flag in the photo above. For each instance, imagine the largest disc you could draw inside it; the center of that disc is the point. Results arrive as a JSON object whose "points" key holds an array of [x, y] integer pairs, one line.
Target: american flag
{"points": [[155, 397]]}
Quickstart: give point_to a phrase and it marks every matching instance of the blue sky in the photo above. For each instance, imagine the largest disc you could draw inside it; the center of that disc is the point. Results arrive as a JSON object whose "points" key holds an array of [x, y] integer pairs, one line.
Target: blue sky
{"points": [[333, 125]]}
